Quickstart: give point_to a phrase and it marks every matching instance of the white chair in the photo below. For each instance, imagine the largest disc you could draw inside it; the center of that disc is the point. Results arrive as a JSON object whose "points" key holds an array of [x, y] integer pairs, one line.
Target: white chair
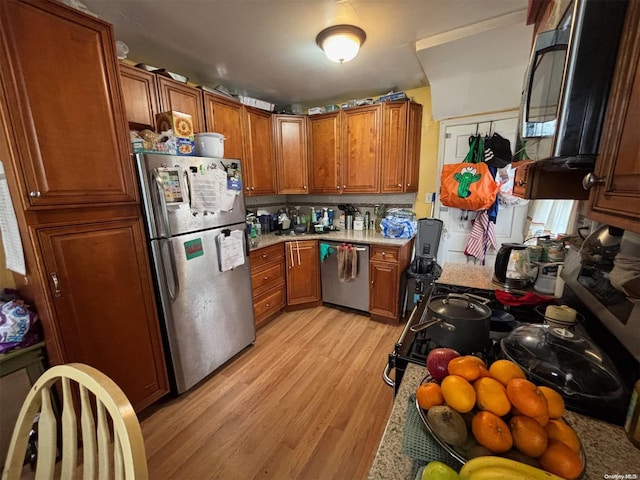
{"points": [[111, 440]]}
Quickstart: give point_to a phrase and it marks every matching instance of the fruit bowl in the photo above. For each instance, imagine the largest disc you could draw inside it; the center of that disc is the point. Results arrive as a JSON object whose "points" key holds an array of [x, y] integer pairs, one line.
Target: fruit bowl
{"points": [[461, 454]]}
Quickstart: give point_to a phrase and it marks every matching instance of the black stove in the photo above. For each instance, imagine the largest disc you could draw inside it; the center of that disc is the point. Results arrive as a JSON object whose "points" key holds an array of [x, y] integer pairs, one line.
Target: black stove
{"points": [[413, 347]]}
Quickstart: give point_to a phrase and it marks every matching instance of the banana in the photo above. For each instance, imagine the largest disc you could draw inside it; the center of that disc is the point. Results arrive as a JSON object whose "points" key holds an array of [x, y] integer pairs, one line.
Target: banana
{"points": [[498, 468]]}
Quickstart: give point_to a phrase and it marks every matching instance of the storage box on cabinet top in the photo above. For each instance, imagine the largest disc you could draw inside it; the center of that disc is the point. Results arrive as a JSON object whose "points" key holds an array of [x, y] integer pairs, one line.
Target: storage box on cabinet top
{"points": [[180, 123]]}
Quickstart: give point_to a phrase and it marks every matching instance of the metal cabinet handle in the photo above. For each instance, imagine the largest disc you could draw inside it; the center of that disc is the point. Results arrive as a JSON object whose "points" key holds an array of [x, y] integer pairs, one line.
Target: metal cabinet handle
{"points": [[385, 376], [265, 278], [264, 255], [408, 184], [400, 185], [337, 187], [247, 188], [35, 193], [384, 254], [304, 186], [590, 180], [344, 186], [267, 305], [56, 284], [253, 188]]}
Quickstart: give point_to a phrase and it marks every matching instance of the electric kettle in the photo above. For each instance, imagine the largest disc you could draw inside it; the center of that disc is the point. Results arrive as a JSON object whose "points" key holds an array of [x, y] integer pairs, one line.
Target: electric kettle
{"points": [[513, 270]]}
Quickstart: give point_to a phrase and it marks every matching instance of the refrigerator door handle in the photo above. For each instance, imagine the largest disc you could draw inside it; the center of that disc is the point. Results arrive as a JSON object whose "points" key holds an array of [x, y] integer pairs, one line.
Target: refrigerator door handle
{"points": [[169, 263], [163, 225]]}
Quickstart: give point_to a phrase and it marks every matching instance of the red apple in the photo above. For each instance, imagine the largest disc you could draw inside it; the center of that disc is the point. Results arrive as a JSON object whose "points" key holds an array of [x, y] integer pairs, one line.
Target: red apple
{"points": [[437, 361]]}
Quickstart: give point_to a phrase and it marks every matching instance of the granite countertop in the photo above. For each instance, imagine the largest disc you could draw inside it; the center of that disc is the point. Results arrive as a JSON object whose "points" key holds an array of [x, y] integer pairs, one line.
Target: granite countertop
{"points": [[475, 276], [370, 237], [609, 452]]}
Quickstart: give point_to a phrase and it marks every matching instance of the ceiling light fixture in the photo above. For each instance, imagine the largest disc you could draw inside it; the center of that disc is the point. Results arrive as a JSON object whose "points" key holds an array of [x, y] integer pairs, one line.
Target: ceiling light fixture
{"points": [[341, 43]]}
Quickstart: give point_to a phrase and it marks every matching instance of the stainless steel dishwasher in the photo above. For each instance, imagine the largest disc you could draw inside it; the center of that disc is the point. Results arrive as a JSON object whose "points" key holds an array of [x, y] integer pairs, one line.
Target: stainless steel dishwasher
{"points": [[352, 294]]}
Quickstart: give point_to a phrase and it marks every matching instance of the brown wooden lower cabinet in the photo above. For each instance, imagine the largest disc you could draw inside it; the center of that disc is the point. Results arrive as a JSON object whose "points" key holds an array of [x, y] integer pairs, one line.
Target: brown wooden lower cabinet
{"points": [[268, 282], [303, 272], [386, 266], [104, 304]]}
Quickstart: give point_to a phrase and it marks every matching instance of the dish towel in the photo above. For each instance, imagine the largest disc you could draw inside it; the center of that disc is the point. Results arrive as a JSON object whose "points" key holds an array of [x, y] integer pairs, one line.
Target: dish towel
{"points": [[347, 263], [482, 237], [325, 250]]}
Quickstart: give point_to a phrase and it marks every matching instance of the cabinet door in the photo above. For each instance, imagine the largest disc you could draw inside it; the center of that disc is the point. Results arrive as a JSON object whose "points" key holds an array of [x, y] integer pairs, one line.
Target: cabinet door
{"points": [[412, 154], [179, 97], [383, 292], [260, 163], [616, 200], [101, 291], [224, 116], [303, 272], [291, 153], [394, 135], [61, 92], [140, 96], [361, 141], [324, 152]]}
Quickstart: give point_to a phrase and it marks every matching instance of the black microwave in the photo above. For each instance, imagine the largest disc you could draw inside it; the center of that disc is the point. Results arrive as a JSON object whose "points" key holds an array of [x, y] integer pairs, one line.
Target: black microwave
{"points": [[567, 86]]}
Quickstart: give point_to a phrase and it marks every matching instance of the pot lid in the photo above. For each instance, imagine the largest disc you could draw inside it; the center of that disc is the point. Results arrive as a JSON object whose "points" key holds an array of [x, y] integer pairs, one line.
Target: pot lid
{"points": [[564, 360], [456, 306]]}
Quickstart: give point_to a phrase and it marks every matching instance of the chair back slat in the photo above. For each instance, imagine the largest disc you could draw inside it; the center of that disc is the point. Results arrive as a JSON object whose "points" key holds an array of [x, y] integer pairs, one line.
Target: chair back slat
{"points": [[69, 433], [104, 444], [118, 460], [47, 434], [88, 435]]}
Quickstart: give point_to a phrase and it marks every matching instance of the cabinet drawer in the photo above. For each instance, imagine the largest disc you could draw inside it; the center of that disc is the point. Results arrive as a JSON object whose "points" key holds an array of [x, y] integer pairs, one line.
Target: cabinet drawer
{"points": [[384, 254], [269, 303], [265, 255], [267, 276]]}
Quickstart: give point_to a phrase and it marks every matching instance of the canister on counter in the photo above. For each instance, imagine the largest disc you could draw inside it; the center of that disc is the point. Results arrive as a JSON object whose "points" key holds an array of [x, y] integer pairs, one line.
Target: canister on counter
{"points": [[366, 220], [536, 253]]}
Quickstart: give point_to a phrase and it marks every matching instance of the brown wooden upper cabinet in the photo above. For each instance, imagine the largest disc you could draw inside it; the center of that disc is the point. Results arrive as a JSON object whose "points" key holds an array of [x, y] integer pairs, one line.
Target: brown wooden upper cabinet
{"points": [[71, 151], [616, 191], [401, 135], [259, 167], [180, 97], [324, 152], [290, 135], [224, 115], [369, 149], [139, 92]]}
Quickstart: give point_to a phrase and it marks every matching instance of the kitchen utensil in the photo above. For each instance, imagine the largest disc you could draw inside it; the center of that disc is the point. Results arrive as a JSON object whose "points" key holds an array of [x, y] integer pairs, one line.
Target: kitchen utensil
{"points": [[209, 144], [566, 361], [601, 247], [513, 269], [469, 317]]}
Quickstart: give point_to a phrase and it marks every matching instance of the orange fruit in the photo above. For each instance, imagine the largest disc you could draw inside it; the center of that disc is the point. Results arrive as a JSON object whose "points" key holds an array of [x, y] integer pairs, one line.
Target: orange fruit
{"points": [[560, 460], [491, 396], [505, 370], [429, 395], [528, 399], [528, 435], [554, 401], [467, 367], [491, 432], [559, 431], [458, 393]]}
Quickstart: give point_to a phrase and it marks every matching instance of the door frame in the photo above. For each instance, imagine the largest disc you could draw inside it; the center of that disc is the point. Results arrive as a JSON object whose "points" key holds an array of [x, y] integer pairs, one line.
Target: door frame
{"points": [[452, 122]]}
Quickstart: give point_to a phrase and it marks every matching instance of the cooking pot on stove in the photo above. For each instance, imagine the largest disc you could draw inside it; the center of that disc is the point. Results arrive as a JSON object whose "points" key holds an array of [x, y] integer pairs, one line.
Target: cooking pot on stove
{"points": [[457, 321], [568, 362]]}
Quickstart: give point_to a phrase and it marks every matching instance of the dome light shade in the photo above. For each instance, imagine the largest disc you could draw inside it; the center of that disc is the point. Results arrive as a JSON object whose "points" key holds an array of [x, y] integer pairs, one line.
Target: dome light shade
{"points": [[341, 43]]}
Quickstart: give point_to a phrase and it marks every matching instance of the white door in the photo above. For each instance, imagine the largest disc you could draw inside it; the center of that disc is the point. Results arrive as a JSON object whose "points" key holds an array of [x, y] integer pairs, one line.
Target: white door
{"points": [[454, 145]]}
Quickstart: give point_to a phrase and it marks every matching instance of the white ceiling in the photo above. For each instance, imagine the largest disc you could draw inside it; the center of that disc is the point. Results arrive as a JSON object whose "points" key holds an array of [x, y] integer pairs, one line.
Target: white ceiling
{"points": [[267, 49]]}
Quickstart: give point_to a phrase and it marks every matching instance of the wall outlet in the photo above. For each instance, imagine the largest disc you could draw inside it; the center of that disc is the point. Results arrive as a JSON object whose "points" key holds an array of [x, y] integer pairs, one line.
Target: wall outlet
{"points": [[430, 197]]}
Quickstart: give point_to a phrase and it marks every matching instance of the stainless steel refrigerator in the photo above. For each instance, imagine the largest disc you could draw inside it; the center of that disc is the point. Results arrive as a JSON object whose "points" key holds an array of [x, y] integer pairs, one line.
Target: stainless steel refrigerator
{"points": [[195, 219]]}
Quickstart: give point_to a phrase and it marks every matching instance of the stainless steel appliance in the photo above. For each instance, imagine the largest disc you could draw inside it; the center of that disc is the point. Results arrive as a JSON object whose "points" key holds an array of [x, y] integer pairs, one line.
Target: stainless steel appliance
{"points": [[512, 269], [195, 220], [352, 294], [567, 86]]}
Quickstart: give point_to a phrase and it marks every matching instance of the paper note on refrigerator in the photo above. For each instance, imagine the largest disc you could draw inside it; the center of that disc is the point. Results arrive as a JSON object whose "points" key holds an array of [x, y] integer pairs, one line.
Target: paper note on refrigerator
{"points": [[13, 252], [209, 192], [231, 250]]}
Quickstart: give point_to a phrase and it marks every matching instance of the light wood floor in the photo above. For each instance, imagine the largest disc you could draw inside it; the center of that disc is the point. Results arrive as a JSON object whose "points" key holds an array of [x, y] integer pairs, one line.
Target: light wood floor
{"points": [[306, 401]]}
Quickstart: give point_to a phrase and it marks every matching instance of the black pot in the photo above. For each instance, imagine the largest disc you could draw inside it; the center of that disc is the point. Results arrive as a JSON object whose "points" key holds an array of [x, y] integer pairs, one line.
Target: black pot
{"points": [[458, 322]]}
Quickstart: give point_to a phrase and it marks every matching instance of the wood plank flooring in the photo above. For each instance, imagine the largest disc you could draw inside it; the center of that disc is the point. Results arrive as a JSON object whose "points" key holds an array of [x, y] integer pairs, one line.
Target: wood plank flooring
{"points": [[306, 401]]}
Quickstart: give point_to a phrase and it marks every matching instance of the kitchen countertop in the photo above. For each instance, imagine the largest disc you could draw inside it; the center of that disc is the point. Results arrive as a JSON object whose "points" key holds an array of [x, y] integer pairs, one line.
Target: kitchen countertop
{"points": [[370, 237], [475, 276], [609, 452]]}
